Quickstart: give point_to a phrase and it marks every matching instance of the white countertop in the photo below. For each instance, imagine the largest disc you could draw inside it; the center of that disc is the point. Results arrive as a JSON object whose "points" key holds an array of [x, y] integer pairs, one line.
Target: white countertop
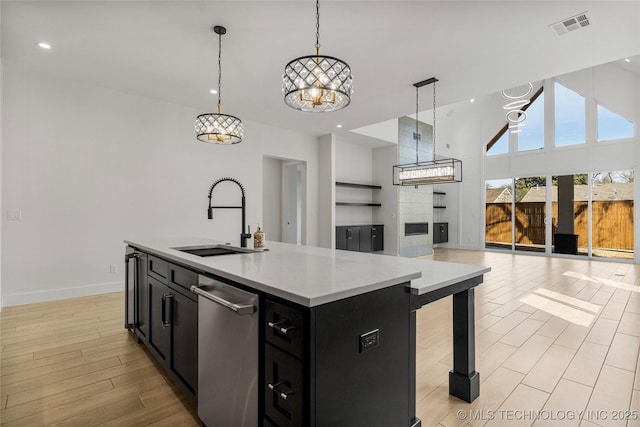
{"points": [[312, 276]]}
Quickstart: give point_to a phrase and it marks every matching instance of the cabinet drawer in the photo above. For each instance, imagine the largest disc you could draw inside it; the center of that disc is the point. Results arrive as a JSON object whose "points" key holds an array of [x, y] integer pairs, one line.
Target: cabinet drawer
{"points": [[158, 268], [284, 388], [284, 327], [182, 277]]}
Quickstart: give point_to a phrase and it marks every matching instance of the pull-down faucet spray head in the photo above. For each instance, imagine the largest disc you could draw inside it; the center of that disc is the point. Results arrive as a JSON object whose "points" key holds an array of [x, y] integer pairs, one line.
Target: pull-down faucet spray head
{"points": [[243, 235]]}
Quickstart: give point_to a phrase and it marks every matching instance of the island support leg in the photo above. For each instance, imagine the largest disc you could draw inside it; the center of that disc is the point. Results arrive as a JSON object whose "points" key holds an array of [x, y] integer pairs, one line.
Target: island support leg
{"points": [[464, 381]]}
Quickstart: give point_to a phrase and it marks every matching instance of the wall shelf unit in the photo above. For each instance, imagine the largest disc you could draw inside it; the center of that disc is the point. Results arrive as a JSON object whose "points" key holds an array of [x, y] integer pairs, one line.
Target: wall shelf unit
{"points": [[361, 187], [354, 185], [440, 227], [357, 204]]}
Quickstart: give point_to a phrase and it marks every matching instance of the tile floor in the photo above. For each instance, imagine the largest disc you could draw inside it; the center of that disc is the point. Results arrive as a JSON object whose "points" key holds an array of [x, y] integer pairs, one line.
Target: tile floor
{"points": [[557, 344]]}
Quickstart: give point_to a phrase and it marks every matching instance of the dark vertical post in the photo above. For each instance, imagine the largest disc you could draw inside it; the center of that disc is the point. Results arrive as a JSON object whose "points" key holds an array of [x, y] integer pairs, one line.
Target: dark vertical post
{"points": [[464, 381]]}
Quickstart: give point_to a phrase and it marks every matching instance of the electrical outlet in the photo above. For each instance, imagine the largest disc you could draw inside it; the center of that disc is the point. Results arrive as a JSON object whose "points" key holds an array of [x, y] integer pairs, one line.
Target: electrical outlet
{"points": [[14, 214], [369, 340], [113, 269]]}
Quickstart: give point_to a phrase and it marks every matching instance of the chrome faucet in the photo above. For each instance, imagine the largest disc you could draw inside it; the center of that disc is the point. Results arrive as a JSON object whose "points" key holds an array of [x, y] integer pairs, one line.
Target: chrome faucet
{"points": [[243, 236]]}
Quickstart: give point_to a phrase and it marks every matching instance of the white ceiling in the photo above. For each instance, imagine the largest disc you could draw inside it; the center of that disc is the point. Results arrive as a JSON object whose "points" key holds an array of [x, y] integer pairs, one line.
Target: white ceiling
{"points": [[167, 49]]}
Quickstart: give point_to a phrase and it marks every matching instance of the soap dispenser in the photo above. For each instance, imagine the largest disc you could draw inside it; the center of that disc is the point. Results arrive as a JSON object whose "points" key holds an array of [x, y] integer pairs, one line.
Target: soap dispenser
{"points": [[258, 238]]}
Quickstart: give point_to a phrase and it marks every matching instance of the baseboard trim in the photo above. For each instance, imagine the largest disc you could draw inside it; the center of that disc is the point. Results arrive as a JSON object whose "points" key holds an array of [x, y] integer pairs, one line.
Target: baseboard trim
{"points": [[61, 293]]}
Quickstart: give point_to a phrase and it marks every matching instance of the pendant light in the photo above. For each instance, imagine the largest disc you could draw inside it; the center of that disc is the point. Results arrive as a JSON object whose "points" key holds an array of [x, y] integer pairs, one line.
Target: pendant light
{"points": [[439, 170], [317, 83], [218, 128]]}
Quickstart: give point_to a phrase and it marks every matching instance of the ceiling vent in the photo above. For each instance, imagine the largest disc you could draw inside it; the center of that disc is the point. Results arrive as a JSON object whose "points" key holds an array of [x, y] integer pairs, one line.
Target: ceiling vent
{"points": [[571, 24]]}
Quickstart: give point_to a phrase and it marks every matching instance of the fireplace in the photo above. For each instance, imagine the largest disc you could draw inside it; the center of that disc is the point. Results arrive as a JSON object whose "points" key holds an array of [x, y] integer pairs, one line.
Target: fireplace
{"points": [[416, 228]]}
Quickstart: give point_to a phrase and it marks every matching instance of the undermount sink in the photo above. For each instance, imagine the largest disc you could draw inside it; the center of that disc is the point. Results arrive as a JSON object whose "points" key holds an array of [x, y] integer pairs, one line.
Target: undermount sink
{"points": [[215, 250]]}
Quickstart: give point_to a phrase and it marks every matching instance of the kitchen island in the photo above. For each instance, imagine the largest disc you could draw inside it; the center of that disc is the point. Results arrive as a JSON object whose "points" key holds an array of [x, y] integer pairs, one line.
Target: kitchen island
{"points": [[336, 341]]}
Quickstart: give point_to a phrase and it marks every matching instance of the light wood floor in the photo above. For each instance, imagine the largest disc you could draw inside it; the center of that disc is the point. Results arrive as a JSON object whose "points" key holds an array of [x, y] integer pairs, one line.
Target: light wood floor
{"points": [[71, 362]]}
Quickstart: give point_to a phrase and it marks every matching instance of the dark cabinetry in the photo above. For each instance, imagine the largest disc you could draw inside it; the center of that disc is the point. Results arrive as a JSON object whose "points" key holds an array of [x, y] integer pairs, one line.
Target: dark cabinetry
{"points": [[322, 364], [360, 238], [440, 232], [173, 320]]}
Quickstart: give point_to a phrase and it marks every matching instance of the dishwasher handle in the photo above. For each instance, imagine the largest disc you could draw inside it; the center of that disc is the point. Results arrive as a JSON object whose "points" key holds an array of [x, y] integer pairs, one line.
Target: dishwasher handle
{"points": [[238, 308]]}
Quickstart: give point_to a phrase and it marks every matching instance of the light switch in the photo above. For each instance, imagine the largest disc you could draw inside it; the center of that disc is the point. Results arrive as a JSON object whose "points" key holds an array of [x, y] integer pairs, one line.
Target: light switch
{"points": [[15, 214]]}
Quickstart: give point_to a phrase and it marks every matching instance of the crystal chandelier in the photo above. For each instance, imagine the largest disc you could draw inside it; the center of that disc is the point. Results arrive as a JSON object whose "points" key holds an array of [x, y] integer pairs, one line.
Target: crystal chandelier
{"points": [[317, 83], [218, 128], [439, 170]]}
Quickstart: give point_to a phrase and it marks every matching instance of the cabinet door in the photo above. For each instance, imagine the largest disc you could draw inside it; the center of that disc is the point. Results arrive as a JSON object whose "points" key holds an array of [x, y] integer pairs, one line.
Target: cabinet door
{"points": [[341, 238], [444, 232], [365, 239], [142, 299], [184, 340], [377, 238], [353, 238], [440, 232], [159, 307]]}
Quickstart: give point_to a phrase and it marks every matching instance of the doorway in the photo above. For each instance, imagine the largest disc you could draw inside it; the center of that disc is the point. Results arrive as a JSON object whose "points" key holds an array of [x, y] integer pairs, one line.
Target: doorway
{"points": [[284, 200]]}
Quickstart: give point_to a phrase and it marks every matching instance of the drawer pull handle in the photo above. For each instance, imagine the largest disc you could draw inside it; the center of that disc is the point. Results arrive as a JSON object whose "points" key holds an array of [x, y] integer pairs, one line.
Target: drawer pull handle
{"points": [[274, 388], [277, 327]]}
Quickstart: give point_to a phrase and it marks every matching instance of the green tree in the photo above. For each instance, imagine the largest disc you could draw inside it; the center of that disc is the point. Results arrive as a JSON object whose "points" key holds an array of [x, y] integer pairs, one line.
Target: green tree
{"points": [[523, 185]]}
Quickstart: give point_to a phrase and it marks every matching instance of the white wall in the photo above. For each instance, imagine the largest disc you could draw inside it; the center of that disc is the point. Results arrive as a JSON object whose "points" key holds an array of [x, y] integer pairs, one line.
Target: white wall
{"points": [[89, 167], [354, 163], [326, 192], [383, 160]]}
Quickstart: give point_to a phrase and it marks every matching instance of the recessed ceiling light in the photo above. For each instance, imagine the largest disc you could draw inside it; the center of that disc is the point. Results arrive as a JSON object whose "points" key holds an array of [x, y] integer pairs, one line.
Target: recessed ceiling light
{"points": [[43, 45], [213, 91], [472, 100], [627, 60], [339, 126]]}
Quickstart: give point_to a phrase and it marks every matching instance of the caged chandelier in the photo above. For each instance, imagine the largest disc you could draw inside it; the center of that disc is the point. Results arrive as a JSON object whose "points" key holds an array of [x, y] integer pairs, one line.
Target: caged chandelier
{"points": [[439, 170], [317, 83], [218, 128]]}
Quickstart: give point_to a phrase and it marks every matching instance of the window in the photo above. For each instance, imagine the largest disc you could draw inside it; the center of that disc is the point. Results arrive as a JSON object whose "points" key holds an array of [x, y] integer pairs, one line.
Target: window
{"points": [[499, 203], [570, 117], [501, 146], [612, 126], [531, 135], [612, 214]]}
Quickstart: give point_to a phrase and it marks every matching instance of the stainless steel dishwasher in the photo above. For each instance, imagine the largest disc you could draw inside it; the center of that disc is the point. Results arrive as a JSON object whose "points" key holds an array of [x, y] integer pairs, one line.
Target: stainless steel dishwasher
{"points": [[227, 354]]}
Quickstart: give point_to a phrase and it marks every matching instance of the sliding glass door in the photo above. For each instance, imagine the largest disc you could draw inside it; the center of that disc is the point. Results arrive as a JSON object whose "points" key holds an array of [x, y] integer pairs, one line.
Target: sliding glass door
{"points": [[498, 213], [591, 214], [530, 204], [612, 214]]}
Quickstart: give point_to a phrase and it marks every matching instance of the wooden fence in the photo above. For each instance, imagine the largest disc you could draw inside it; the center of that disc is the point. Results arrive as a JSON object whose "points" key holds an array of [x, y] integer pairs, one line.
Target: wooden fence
{"points": [[612, 223]]}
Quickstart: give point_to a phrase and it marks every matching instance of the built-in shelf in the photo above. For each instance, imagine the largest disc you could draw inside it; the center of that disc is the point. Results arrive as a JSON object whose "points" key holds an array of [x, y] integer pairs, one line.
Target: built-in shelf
{"points": [[357, 204], [359, 186], [354, 185]]}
